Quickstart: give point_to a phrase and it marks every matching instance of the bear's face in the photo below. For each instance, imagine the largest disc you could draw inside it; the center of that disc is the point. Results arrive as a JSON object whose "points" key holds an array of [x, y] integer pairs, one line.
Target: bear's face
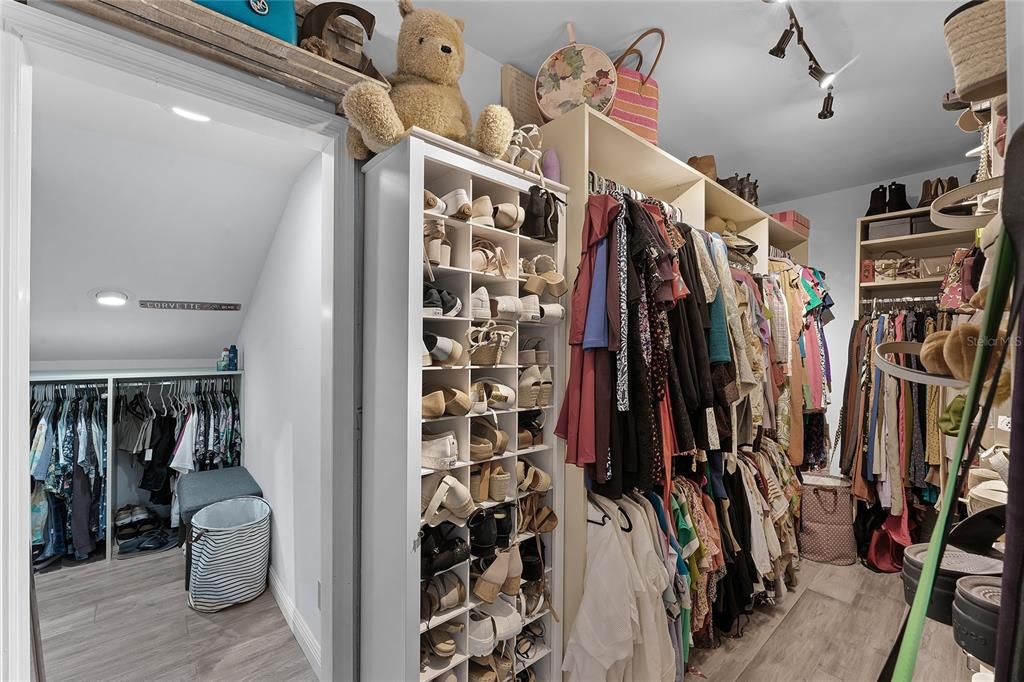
{"points": [[430, 45]]}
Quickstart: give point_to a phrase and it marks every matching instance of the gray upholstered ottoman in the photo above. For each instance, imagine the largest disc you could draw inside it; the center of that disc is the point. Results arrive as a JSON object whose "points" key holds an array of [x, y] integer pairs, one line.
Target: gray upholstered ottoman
{"points": [[202, 488]]}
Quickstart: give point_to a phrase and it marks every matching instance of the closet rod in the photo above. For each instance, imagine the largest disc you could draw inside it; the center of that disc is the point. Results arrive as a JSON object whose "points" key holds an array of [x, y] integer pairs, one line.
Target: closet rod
{"points": [[176, 382], [901, 299]]}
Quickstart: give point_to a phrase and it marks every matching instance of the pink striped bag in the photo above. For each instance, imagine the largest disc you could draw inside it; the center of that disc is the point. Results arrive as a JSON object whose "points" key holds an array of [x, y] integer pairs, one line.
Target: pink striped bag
{"points": [[636, 97]]}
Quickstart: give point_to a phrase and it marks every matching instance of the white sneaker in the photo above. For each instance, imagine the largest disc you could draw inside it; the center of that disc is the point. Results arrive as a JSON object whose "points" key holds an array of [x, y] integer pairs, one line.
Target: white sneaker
{"points": [[480, 303], [427, 362], [506, 308], [446, 352], [552, 313], [531, 308], [440, 451]]}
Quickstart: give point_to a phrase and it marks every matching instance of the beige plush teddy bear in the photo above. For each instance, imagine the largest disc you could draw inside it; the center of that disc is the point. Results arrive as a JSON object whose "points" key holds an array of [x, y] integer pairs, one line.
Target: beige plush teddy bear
{"points": [[425, 92]]}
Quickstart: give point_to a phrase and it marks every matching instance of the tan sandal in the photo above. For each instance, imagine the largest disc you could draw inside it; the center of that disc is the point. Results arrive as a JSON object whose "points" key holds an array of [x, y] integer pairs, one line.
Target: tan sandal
{"points": [[546, 277], [456, 403], [485, 429], [489, 259], [433, 236], [432, 404]]}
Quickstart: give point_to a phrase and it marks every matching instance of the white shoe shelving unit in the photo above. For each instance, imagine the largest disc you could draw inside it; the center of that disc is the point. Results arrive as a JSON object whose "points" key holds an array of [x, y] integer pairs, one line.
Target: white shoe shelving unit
{"points": [[393, 382]]}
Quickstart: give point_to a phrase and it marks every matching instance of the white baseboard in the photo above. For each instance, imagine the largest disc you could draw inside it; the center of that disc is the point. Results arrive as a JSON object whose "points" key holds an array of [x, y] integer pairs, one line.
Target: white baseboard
{"points": [[303, 635]]}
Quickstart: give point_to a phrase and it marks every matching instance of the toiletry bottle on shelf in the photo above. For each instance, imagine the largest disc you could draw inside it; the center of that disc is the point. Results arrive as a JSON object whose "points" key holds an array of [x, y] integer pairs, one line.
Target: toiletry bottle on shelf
{"points": [[233, 358], [222, 363]]}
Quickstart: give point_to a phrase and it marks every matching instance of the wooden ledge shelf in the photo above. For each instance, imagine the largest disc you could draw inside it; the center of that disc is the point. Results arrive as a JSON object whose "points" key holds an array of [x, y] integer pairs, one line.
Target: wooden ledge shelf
{"points": [[921, 282], [196, 29], [918, 241]]}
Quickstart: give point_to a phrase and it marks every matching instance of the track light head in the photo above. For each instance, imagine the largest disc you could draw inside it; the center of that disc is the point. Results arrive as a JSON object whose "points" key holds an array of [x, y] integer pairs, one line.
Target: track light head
{"points": [[819, 74], [779, 51], [826, 106]]}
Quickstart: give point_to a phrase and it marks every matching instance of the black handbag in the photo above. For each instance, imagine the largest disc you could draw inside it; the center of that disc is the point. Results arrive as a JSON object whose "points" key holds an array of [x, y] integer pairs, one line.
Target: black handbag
{"points": [[541, 221], [441, 549]]}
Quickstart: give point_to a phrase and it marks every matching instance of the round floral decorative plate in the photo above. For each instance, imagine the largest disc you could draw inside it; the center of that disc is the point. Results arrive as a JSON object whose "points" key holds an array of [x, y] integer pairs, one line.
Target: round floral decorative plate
{"points": [[574, 75]]}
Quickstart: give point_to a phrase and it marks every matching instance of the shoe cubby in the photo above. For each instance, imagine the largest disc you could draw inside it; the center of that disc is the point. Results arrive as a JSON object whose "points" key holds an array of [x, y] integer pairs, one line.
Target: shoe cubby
{"points": [[394, 379]]}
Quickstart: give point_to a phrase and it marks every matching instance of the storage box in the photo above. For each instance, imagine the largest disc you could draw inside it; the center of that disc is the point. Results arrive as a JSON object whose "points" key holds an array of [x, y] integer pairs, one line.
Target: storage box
{"points": [[795, 221], [276, 17], [867, 271], [883, 229], [934, 266], [923, 224]]}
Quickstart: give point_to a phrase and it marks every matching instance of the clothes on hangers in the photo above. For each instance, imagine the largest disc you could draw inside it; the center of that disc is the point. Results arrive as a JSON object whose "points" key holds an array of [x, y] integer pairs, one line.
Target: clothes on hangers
{"points": [[68, 464], [189, 429], [668, 340], [663, 572]]}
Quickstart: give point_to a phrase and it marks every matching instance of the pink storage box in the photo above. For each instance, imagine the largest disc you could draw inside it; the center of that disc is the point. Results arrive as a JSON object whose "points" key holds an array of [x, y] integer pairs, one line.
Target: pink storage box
{"points": [[795, 221]]}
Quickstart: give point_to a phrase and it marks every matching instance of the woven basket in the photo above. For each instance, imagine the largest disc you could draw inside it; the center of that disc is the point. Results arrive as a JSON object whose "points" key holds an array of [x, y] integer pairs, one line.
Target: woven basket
{"points": [[976, 39]]}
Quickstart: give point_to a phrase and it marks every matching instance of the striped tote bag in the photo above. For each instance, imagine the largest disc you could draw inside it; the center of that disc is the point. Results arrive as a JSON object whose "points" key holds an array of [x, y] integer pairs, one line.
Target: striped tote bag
{"points": [[229, 546], [636, 95]]}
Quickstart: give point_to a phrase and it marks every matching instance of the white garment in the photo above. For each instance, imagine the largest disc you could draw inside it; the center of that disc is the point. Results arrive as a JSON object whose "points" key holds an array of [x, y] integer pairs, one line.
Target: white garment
{"points": [[758, 543], [654, 659], [602, 635], [184, 460]]}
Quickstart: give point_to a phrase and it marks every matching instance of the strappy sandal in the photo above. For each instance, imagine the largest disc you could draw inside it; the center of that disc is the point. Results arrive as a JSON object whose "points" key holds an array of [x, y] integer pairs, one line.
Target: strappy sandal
{"points": [[531, 354], [498, 395], [546, 277], [528, 136], [495, 436], [499, 439], [433, 236], [489, 259], [487, 342]]}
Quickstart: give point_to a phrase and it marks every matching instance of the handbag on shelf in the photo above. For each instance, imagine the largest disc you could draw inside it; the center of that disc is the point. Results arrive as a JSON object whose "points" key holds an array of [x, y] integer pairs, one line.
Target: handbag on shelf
{"points": [[900, 267], [575, 75], [826, 520], [953, 292], [636, 96]]}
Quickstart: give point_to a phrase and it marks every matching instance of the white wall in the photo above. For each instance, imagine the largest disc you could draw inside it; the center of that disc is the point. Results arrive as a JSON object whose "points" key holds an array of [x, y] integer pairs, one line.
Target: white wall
{"points": [[832, 246], [280, 344]]}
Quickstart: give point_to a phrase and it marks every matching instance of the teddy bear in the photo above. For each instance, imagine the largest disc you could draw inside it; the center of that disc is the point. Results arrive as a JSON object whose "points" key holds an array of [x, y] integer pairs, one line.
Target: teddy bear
{"points": [[424, 92]]}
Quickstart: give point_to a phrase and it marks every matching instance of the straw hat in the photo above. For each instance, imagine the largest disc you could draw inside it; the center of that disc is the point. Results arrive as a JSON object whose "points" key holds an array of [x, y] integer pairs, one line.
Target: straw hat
{"points": [[976, 39]]}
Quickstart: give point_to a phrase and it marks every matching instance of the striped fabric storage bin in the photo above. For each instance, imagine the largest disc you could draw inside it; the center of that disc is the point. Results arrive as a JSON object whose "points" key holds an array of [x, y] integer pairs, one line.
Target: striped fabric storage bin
{"points": [[229, 543]]}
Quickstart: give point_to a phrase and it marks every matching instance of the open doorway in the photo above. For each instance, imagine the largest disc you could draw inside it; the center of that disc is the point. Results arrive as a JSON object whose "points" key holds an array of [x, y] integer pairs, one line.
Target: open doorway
{"points": [[162, 202]]}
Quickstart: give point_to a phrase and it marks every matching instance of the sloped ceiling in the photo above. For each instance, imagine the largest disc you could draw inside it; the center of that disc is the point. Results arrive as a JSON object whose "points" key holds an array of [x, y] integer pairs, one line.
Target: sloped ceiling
{"points": [[722, 94], [128, 196]]}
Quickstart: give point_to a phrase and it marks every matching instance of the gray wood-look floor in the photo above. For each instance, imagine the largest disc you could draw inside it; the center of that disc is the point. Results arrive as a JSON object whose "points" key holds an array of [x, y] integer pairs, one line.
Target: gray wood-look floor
{"points": [[837, 625], [128, 620]]}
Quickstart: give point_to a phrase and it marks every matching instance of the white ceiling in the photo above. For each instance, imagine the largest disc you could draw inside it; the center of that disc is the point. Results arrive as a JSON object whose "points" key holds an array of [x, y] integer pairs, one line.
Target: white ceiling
{"points": [[128, 196], [721, 93]]}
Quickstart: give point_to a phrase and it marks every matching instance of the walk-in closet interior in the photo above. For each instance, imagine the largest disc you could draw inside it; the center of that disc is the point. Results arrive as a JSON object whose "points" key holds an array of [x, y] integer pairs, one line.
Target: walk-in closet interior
{"points": [[499, 341], [176, 333]]}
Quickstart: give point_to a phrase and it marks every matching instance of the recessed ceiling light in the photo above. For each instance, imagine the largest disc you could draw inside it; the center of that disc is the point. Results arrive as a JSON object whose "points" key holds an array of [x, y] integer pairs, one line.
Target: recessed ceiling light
{"points": [[112, 298], [191, 115]]}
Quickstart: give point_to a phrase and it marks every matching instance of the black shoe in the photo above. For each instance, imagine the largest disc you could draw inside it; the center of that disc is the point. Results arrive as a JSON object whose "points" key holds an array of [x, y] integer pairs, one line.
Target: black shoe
{"points": [[483, 534], [436, 299], [877, 201], [503, 520], [897, 198]]}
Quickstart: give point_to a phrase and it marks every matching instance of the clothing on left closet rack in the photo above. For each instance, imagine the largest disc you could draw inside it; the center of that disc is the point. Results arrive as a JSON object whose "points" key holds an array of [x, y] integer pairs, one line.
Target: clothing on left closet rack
{"points": [[68, 464]]}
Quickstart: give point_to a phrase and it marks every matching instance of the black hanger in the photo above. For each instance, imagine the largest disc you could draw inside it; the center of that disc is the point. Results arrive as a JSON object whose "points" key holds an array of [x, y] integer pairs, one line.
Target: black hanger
{"points": [[604, 515]]}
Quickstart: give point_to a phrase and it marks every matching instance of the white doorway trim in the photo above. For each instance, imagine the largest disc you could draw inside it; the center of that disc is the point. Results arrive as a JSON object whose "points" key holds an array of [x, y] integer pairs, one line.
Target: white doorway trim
{"points": [[31, 37]]}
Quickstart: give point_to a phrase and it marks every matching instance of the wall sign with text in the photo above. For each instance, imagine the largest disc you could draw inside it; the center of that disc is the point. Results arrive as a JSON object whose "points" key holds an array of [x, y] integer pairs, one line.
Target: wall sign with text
{"points": [[190, 305]]}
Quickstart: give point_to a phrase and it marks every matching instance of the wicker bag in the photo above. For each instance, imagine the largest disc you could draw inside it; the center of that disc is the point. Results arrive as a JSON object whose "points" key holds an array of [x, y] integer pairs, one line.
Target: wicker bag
{"points": [[826, 520]]}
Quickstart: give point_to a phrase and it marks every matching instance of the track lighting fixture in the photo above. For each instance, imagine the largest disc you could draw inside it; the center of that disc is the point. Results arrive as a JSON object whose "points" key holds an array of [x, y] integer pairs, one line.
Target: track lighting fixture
{"points": [[819, 74], [826, 106], [824, 78], [779, 51]]}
